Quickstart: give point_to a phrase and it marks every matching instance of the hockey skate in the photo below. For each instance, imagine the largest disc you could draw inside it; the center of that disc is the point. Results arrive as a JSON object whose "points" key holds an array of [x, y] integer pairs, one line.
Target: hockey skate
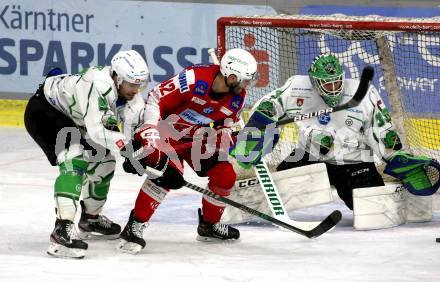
{"points": [[132, 240], [97, 227], [211, 232], [65, 242]]}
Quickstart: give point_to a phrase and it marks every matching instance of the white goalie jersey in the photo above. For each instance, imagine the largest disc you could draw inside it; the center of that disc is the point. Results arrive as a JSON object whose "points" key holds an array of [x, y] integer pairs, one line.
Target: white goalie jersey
{"points": [[90, 99], [354, 131]]}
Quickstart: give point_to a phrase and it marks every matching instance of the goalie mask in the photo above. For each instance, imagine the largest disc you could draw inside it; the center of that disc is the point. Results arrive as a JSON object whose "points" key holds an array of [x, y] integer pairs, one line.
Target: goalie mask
{"points": [[129, 66], [327, 77], [240, 63]]}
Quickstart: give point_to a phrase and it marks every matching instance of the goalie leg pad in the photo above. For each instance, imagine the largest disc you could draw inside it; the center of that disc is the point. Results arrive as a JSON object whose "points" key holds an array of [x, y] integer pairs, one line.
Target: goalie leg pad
{"points": [[388, 206], [418, 209], [379, 207]]}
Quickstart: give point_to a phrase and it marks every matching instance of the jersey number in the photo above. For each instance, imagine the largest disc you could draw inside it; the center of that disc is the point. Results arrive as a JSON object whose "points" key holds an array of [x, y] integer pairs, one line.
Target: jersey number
{"points": [[167, 87]]}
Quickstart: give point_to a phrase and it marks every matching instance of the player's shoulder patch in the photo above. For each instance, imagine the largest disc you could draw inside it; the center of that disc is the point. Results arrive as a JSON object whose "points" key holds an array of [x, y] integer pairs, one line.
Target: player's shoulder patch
{"points": [[236, 102], [201, 88]]}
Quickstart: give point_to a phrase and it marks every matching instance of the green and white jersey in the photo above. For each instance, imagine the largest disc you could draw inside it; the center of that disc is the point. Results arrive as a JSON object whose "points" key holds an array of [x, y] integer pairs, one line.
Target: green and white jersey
{"points": [[354, 131], [90, 100]]}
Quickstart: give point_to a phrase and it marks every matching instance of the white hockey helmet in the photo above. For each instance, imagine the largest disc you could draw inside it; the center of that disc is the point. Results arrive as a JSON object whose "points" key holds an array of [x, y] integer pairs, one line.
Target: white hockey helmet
{"points": [[131, 67], [240, 63]]}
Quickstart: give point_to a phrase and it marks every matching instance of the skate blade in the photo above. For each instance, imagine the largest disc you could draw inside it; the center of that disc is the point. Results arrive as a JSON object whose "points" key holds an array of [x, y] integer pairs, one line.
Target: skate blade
{"points": [[213, 240], [96, 236], [60, 251], [129, 247]]}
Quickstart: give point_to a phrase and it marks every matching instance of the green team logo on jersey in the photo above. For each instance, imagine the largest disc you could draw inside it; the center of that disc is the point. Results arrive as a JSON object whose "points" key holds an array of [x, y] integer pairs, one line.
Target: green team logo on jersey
{"points": [[102, 104], [267, 108]]}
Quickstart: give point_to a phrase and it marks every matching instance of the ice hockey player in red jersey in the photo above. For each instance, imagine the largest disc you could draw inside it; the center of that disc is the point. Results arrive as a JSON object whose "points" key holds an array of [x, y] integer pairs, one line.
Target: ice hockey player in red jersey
{"points": [[191, 101]]}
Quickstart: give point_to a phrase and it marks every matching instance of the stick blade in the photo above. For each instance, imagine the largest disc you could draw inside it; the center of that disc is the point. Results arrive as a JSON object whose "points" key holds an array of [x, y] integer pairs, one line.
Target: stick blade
{"points": [[325, 225]]}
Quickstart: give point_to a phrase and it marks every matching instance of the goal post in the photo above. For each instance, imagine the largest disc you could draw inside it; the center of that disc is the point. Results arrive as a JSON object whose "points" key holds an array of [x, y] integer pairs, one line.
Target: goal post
{"points": [[405, 54]]}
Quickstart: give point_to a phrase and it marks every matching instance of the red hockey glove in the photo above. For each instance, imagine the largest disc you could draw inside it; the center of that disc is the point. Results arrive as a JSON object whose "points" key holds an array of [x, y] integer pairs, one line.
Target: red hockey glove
{"points": [[148, 136]]}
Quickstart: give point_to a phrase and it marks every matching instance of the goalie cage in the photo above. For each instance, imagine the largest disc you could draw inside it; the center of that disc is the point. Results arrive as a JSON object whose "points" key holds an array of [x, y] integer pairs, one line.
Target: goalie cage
{"points": [[404, 53]]}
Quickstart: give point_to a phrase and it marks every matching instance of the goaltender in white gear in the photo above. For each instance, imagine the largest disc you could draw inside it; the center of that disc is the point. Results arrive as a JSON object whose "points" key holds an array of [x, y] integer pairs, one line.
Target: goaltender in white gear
{"points": [[348, 142]]}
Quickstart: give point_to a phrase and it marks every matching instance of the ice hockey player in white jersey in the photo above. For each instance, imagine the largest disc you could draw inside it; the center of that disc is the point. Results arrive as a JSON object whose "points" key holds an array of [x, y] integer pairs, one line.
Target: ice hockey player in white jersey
{"points": [[74, 119], [346, 140]]}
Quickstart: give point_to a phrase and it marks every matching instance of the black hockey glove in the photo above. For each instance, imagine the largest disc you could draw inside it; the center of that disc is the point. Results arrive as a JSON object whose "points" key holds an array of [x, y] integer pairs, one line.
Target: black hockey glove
{"points": [[136, 162], [171, 178], [133, 158]]}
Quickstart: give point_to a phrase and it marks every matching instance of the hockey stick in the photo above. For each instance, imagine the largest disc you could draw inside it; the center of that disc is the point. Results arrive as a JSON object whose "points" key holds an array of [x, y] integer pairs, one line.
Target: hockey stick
{"points": [[328, 223]]}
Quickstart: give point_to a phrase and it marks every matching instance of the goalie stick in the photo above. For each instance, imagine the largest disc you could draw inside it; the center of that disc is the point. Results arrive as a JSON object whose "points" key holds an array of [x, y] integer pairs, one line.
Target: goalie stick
{"points": [[328, 223], [272, 196]]}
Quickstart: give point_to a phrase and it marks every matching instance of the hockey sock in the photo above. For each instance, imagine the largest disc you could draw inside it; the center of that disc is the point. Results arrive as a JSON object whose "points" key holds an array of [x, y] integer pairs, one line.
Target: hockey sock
{"points": [[68, 187], [149, 198], [212, 209], [95, 194], [221, 181]]}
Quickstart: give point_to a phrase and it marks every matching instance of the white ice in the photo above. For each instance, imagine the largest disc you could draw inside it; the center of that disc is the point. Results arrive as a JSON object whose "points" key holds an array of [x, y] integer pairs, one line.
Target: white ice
{"points": [[264, 253]]}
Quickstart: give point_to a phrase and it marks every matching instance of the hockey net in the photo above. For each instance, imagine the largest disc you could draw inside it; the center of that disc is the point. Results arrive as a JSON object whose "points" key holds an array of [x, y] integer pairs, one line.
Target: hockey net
{"points": [[404, 52]]}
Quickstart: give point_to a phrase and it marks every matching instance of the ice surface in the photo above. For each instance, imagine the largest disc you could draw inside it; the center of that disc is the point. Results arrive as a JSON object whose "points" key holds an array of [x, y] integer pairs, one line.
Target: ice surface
{"points": [[264, 253]]}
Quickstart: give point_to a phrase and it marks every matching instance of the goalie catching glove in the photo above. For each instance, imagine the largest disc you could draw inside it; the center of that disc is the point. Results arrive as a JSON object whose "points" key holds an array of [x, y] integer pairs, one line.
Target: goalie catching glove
{"points": [[253, 144], [419, 175]]}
